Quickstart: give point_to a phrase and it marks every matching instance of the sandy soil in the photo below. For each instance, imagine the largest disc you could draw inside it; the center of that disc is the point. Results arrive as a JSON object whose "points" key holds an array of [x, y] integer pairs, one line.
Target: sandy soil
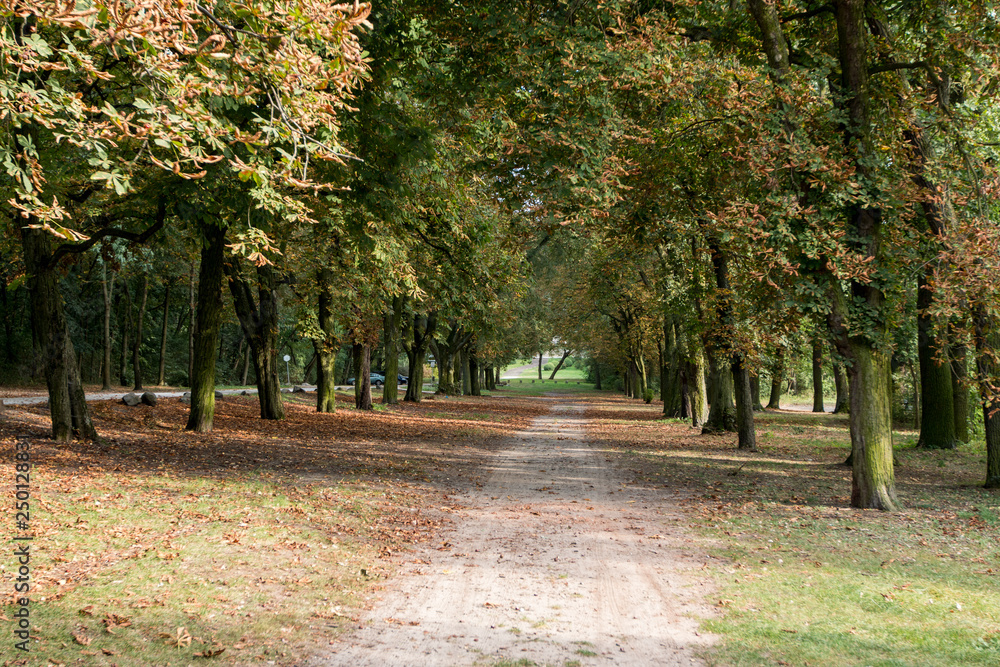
{"points": [[552, 560]]}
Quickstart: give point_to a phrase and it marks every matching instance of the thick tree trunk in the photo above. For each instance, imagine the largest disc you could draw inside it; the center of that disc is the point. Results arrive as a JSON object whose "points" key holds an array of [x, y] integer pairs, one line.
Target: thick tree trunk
{"points": [[722, 411], [137, 345], [393, 317], [699, 388], [207, 324], [777, 380], [474, 387], [415, 382], [466, 373], [106, 289], [362, 377], [747, 434], [192, 323], [161, 374], [960, 391], [259, 321], [445, 357], [817, 371], [937, 418], [539, 365], [67, 406], [873, 483], [423, 334], [871, 430], [840, 381], [670, 380], [988, 378]]}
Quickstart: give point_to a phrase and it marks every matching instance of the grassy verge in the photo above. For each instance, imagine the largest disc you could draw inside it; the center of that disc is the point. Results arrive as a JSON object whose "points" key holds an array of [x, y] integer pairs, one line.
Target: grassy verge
{"points": [[803, 579], [543, 387]]}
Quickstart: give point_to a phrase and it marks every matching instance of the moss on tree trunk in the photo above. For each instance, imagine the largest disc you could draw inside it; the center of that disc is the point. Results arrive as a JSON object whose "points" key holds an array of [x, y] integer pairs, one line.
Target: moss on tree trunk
{"points": [[873, 484], [208, 321]]}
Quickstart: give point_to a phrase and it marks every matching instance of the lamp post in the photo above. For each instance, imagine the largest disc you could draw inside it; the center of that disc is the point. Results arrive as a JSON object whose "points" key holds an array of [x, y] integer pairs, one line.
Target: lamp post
{"points": [[288, 374]]}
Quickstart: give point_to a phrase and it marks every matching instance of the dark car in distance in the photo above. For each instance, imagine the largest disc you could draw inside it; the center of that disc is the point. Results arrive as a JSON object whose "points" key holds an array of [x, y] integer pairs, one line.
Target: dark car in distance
{"points": [[377, 380]]}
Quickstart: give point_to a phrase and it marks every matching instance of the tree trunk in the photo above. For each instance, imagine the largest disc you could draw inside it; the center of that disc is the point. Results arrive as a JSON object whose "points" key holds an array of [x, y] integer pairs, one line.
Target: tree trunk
{"points": [[8, 322], [672, 392], [67, 406], [362, 377], [817, 368], [722, 411], [937, 416], [597, 376], [987, 336], [423, 333], [161, 374], [840, 381], [106, 289], [777, 379], [259, 321], [960, 391], [560, 364], [393, 317], [137, 345], [755, 393], [474, 387], [466, 373], [871, 430], [699, 389], [446, 369], [724, 415], [206, 329], [192, 324], [126, 327], [327, 346], [873, 480], [246, 367], [539, 365], [747, 435]]}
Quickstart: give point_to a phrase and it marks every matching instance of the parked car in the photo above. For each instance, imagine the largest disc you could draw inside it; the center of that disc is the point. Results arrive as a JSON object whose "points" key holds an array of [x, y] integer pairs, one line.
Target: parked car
{"points": [[400, 378], [376, 380]]}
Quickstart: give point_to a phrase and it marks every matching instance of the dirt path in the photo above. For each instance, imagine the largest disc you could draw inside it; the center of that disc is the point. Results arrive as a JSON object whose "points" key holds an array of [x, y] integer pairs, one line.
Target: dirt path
{"points": [[553, 560]]}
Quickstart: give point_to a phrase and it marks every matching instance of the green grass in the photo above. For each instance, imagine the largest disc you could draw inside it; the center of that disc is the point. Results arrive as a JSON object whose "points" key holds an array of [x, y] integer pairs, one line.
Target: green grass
{"points": [[801, 578], [143, 564], [542, 387], [564, 373]]}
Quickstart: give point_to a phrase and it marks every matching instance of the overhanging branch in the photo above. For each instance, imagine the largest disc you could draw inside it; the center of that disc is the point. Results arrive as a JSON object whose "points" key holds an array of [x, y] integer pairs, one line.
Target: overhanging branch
{"points": [[133, 237]]}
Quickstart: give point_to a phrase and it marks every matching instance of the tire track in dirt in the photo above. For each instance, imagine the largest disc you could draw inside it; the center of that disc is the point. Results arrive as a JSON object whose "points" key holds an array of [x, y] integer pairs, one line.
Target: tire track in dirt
{"points": [[553, 560]]}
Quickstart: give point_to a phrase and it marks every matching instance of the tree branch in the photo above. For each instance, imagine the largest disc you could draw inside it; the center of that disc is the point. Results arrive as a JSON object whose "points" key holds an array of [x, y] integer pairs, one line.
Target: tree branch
{"points": [[140, 237], [801, 16], [893, 67]]}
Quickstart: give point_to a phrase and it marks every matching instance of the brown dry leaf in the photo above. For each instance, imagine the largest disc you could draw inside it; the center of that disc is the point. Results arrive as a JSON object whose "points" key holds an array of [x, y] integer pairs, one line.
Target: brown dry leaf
{"points": [[210, 653], [114, 621], [107, 651], [180, 639], [81, 639], [88, 610]]}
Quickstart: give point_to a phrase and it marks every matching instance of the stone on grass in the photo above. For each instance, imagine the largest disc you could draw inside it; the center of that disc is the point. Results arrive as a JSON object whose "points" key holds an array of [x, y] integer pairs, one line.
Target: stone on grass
{"points": [[131, 399], [186, 398], [148, 397]]}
